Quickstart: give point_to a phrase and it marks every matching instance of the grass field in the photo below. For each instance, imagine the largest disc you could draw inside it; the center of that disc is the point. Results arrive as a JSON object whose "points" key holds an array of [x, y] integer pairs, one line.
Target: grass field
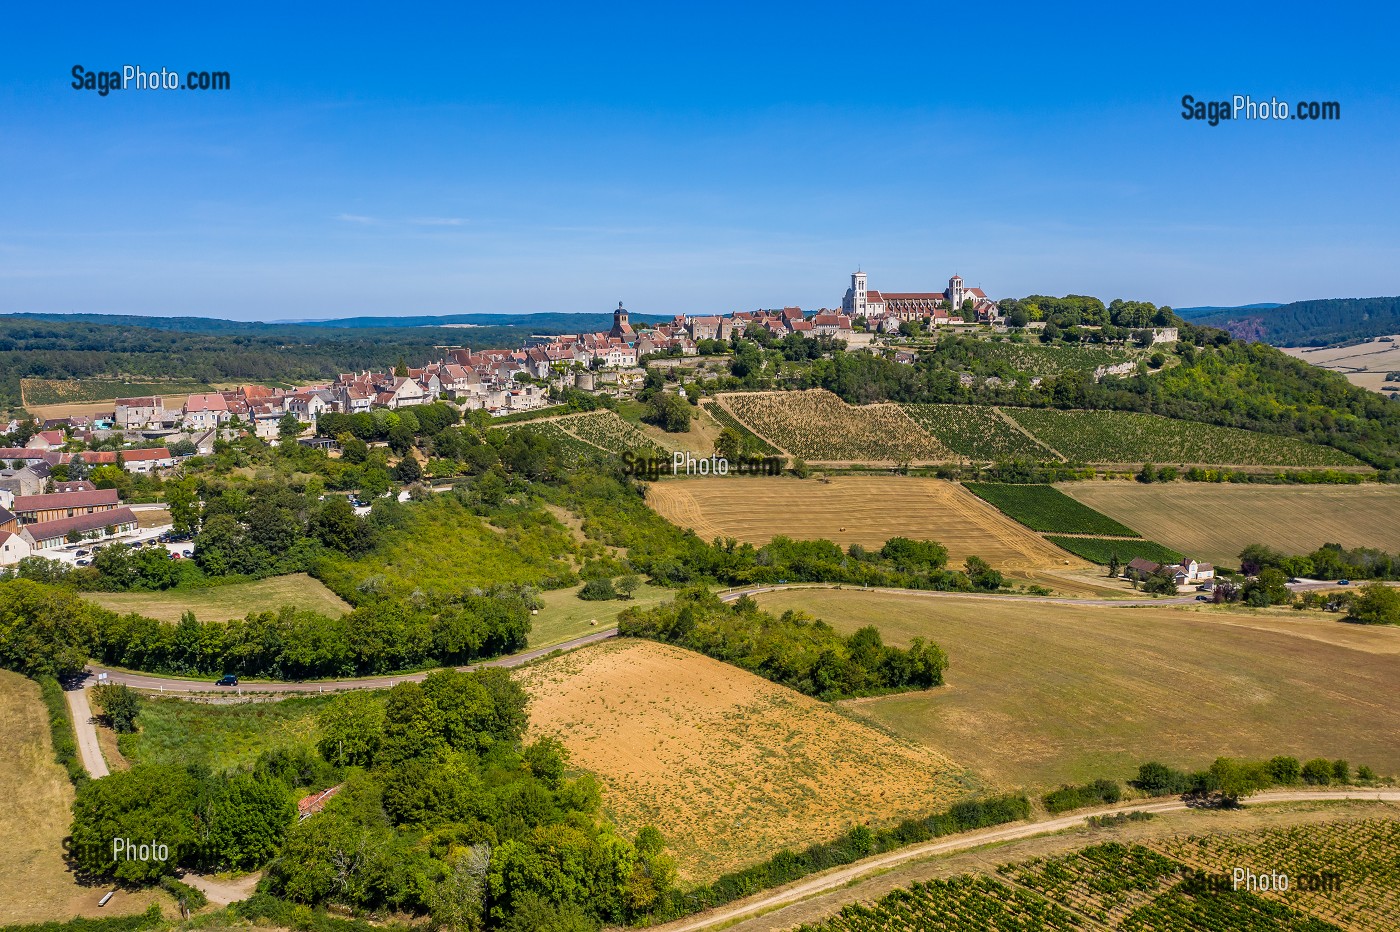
{"points": [[865, 510], [37, 885], [730, 767], [819, 426], [566, 616], [1365, 364], [220, 603], [1214, 522], [1046, 509], [152, 517], [978, 432], [1040, 694], [1130, 437], [175, 731], [1102, 550]]}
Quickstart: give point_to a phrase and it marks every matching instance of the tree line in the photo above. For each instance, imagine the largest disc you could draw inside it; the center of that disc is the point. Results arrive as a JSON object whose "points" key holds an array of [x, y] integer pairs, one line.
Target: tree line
{"points": [[793, 649]]}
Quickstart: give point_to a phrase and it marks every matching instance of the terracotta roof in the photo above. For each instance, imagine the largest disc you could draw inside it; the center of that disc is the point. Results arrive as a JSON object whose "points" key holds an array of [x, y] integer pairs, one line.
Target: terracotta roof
{"points": [[310, 805], [83, 499], [51, 530]]}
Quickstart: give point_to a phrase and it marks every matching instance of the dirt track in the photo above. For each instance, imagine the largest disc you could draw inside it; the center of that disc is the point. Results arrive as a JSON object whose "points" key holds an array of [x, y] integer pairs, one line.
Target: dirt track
{"points": [[86, 732]]}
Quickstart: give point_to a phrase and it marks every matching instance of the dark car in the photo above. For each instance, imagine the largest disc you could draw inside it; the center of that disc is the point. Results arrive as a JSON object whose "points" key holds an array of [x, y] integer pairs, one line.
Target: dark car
{"points": [[82, 553], [228, 679], [1202, 598], [1344, 582], [84, 562], [186, 553]]}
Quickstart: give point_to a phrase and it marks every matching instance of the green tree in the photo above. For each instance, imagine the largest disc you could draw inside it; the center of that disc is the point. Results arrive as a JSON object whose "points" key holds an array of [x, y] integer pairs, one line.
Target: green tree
{"points": [[729, 443], [183, 503], [248, 818], [44, 630], [219, 545], [1376, 604], [1270, 587], [408, 469], [288, 429], [1317, 772], [597, 590], [628, 584], [154, 805], [1237, 778], [352, 728], [120, 704], [669, 412]]}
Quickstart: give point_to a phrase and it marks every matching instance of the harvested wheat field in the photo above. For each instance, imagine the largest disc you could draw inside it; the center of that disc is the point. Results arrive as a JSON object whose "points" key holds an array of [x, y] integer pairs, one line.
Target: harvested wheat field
{"points": [[730, 767], [1042, 693], [866, 510], [1214, 522], [38, 886]]}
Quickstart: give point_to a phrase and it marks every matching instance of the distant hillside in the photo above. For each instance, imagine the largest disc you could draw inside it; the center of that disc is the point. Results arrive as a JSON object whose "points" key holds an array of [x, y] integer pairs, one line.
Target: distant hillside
{"points": [[542, 323], [1197, 313], [1310, 323]]}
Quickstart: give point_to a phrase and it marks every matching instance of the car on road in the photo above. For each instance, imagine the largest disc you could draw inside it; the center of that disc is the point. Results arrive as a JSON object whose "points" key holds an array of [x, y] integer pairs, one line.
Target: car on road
{"points": [[228, 679], [1202, 598], [1344, 582]]}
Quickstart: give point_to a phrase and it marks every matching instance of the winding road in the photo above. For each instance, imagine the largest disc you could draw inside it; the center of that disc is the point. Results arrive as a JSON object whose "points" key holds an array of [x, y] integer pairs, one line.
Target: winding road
{"points": [[830, 880]]}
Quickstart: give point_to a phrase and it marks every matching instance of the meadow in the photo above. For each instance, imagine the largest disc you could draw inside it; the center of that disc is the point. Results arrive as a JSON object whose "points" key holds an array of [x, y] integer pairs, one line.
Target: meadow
{"points": [[1047, 509], [1043, 694], [220, 603], [728, 766], [819, 426], [866, 510], [1214, 522], [978, 432], [1129, 437], [565, 616], [221, 736]]}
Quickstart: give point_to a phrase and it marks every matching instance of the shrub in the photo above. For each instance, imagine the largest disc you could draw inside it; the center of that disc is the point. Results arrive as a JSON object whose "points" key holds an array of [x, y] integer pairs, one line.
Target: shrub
{"points": [[597, 590], [1078, 797], [1317, 772]]}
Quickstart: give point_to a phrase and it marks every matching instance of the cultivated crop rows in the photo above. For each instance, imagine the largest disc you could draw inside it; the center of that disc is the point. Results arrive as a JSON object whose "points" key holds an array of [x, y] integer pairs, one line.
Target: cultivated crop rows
{"points": [[1132, 437], [725, 419], [1102, 550], [1104, 882], [1045, 508], [817, 425], [1046, 361], [605, 430], [963, 904], [977, 432], [1176, 911], [1364, 854], [571, 445], [77, 391]]}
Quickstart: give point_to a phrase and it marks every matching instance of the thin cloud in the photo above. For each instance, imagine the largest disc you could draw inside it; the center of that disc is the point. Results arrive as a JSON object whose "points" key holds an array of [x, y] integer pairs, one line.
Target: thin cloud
{"points": [[354, 218], [438, 221]]}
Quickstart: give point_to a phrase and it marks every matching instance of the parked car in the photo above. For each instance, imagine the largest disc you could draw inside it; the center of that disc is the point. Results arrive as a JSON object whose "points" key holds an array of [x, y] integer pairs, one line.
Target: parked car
{"points": [[1202, 598], [82, 553], [228, 679], [84, 562], [186, 553]]}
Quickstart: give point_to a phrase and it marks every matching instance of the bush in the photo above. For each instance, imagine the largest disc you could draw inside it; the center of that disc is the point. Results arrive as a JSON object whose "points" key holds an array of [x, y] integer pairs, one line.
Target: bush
{"points": [[1078, 797], [1317, 772], [598, 590], [1156, 779]]}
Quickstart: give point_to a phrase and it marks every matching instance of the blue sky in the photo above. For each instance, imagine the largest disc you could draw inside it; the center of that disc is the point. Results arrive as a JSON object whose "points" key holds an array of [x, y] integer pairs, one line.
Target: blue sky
{"points": [[688, 157]]}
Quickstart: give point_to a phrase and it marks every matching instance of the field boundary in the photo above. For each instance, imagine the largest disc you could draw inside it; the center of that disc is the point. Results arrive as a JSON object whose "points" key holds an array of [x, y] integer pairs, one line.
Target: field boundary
{"points": [[1016, 425]]}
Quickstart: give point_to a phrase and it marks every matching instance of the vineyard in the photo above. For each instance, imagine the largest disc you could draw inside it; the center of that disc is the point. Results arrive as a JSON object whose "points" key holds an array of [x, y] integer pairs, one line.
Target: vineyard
{"points": [[963, 904], [1156, 886], [79, 391], [1363, 854], [1130, 437], [725, 419], [587, 433], [1046, 361], [1102, 550], [1047, 509], [978, 433], [819, 426]]}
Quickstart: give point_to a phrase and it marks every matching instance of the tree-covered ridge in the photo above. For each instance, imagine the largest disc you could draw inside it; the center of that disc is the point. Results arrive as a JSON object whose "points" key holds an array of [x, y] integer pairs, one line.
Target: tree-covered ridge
{"points": [[1312, 323], [793, 649]]}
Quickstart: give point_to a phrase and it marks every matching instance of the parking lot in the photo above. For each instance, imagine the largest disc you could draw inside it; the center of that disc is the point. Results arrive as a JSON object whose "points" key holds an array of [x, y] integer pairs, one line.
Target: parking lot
{"points": [[79, 554]]}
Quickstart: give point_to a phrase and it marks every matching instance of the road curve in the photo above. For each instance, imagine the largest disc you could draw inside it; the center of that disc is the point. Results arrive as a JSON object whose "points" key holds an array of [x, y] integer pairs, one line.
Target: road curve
{"points": [[177, 687], [830, 880]]}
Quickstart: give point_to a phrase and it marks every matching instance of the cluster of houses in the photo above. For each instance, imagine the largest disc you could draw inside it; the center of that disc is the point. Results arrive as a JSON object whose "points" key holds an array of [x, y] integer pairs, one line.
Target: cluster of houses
{"points": [[73, 511], [1186, 573]]}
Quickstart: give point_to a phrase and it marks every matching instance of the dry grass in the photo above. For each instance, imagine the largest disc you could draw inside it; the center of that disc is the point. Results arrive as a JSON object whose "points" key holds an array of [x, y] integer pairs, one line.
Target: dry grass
{"points": [[866, 510], [220, 603], [37, 885], [1364, 364], [730, 767], [1040, 694], [152, 517], [1214, 522]]}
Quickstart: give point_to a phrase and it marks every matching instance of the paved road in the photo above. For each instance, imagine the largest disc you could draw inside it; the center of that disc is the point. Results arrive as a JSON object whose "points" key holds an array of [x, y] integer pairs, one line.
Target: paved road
{"points": [[86, 731], [840, 877], [732, 594], [176, 686]]}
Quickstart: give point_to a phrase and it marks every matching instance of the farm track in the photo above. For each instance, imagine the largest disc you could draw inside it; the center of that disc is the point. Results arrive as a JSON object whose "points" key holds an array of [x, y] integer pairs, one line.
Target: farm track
{"points": [[1021, 428], [852, 875]]}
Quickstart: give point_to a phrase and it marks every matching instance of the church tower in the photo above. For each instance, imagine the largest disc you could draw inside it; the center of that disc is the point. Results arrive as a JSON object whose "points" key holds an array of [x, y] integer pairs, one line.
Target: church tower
{"points": [[620, 328], [858, 305], [956, 294]]}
